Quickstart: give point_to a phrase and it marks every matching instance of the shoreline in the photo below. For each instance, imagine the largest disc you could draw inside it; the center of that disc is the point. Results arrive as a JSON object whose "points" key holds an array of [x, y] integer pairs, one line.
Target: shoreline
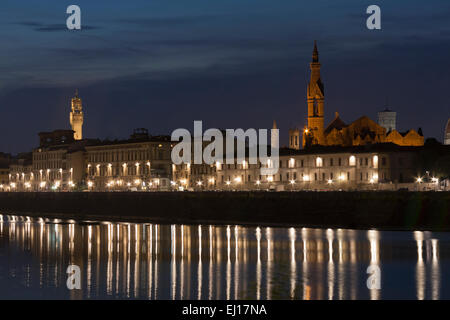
{"points": [[390, 211]]}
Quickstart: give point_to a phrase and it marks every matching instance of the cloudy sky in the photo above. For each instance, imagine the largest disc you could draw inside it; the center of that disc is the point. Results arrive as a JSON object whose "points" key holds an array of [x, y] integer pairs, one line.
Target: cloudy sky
{"points": [[232, 63]]}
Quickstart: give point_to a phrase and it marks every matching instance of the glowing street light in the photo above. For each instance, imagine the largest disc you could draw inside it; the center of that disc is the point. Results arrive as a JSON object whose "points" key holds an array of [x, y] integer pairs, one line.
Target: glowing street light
{"points": [[419, 180], [330, 181], [292, 181], [258, 182], [199, 183]]}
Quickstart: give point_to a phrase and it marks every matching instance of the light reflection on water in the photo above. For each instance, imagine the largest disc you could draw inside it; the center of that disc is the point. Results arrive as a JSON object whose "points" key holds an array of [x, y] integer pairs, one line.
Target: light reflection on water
{"points": [[151, 261]]}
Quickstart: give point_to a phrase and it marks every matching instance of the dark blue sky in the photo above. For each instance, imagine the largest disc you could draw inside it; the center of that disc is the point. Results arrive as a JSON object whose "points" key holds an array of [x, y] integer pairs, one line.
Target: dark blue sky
{"points": [[231, 63]]}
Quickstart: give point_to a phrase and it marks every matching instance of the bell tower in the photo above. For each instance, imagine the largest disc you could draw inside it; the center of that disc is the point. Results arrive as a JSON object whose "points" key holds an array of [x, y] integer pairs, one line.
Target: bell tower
{"points": [[314, 132], [76, 117]]}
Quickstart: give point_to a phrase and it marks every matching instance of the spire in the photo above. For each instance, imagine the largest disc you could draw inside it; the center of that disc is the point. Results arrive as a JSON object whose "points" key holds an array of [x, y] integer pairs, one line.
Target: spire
{"points": [[315, 56], [76, 93], [274, 124]]}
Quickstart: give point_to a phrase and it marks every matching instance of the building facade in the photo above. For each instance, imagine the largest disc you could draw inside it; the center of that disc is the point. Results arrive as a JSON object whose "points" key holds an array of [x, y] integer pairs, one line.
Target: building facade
{"points": [[140, 163], [382, 167]]}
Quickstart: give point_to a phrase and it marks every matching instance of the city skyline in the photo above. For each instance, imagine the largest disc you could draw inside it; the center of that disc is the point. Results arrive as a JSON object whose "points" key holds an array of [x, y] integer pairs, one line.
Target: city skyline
{"points": [[163, 67]]}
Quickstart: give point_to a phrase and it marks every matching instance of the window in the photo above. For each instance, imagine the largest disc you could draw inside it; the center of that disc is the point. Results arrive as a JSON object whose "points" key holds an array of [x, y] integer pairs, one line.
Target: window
{"points": [[331, 162], [319, 162], [383, 161], [340, 162]]}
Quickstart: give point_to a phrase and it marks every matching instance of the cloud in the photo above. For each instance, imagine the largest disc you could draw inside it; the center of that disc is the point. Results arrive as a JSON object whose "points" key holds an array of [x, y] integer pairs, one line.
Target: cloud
{"points": [[42, 27], [170, 21]]}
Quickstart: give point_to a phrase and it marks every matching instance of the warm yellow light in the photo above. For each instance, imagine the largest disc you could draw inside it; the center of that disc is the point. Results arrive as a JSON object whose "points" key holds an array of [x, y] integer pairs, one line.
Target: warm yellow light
{"points": [[319, 162], [419, 180], [306, 130], [211, 180], [228, 182], [342, 177], [238, 179], [435, 180], [292, 181], [352, 161], [330, 181], [258, 182], [270, 178], [137, 181], [199, 183], [372, 180], [183, 181], [305, 178], [90, 184], [42, 184]]}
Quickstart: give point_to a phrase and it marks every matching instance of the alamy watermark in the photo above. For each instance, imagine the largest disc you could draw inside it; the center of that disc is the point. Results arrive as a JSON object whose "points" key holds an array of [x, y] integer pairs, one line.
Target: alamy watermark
{"points": [[237, 142], [74, 277]]}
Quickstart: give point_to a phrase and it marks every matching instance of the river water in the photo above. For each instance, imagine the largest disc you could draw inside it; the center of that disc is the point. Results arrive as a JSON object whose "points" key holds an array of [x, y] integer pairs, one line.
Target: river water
{"points": [[152, 261]]}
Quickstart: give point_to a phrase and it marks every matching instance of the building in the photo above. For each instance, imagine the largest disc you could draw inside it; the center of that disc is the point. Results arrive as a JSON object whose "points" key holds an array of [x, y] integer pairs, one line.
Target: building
{"points": [[447, 133], [142, 162], [5, 161], [363, 131], [387, 119], [77, 117], [377, 166], [21, 173], [58, 163]]}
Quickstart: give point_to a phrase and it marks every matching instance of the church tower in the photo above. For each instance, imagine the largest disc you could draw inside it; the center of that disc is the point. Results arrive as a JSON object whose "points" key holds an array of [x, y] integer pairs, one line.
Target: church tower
{"points": [[314, 132], [76, 117]]}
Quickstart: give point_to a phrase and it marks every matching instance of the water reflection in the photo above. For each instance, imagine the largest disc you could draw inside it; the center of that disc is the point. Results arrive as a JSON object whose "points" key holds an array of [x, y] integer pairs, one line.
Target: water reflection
{"points": [[150, 261]]}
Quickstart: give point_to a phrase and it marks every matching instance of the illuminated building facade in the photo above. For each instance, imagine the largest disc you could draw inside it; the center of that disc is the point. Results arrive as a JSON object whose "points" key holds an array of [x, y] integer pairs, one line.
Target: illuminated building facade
{"points": [[319, 168], [142, 162]]}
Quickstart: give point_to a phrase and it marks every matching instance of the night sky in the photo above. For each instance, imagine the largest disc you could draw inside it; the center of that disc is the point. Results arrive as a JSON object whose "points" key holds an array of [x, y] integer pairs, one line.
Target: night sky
{"points": [[162, 64]]}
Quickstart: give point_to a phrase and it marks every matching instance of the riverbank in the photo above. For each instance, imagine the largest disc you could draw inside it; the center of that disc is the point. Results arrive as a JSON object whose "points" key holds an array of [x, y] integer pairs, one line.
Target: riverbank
{"points": [[353, 210]]}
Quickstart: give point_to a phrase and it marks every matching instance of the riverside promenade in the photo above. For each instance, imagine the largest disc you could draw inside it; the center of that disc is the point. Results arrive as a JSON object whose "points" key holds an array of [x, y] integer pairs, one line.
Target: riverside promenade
{"points": [[354, 210]]}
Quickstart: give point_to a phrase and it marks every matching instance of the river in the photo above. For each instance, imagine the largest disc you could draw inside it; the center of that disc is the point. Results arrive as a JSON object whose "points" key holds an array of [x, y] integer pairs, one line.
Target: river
{"points": [[152, 261]]}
